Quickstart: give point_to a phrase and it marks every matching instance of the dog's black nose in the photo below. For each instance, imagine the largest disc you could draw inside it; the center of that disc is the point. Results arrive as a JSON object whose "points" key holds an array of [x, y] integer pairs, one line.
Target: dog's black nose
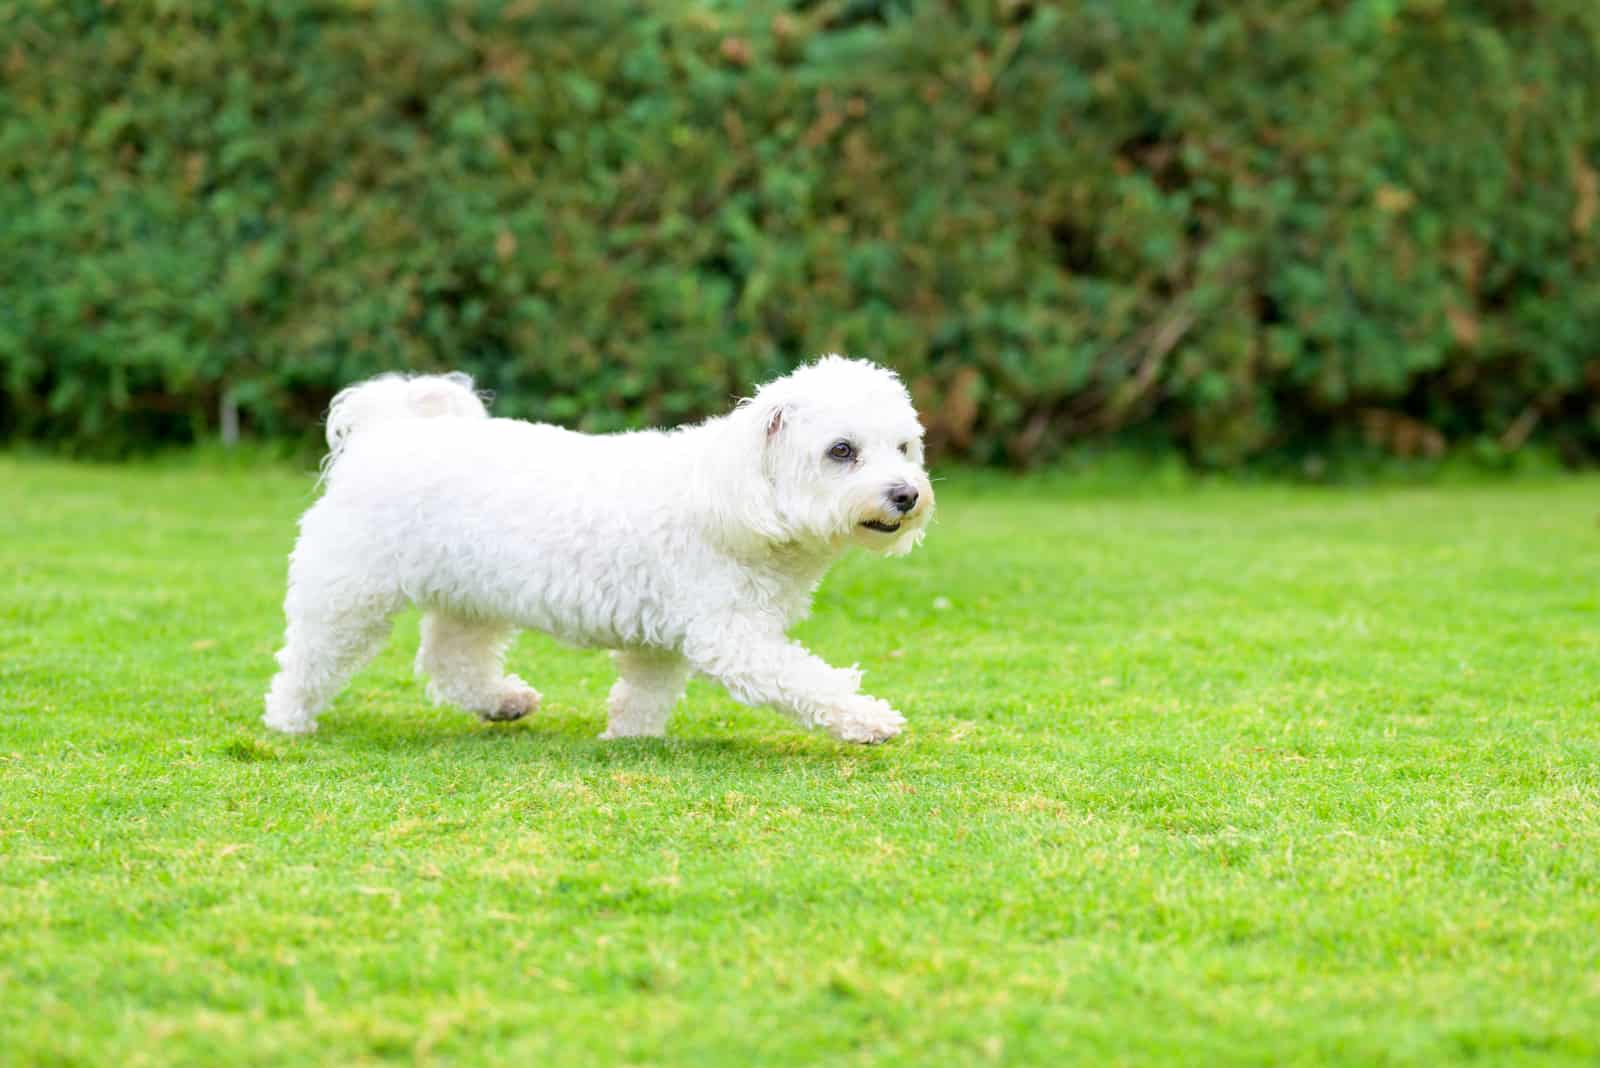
{"points": [[903, 497]]}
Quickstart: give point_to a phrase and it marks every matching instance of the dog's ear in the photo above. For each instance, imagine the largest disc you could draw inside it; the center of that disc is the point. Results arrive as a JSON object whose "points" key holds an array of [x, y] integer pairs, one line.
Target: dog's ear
{"points": [[742, 498]]}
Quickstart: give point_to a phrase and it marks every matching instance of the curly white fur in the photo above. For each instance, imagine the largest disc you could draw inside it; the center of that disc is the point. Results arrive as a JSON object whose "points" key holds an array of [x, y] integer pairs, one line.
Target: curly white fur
{"points": [[690, 550]]}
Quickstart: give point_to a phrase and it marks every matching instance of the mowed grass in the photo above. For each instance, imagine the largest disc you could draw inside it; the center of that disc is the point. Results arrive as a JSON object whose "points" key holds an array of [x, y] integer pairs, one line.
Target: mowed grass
{"points": [[1219, 775]]}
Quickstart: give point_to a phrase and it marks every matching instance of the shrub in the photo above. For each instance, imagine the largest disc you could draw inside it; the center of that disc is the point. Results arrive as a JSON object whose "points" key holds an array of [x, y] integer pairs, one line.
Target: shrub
{"points": [[1237, 228]]}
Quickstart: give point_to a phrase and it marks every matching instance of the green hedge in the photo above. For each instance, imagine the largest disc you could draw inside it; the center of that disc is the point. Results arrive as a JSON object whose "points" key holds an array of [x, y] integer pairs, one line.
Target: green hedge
{"points": [[1238, 227]]}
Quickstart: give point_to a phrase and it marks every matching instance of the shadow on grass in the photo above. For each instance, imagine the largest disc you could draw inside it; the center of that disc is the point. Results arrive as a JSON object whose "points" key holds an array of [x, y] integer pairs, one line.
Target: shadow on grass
{"points": [[555, 742]]}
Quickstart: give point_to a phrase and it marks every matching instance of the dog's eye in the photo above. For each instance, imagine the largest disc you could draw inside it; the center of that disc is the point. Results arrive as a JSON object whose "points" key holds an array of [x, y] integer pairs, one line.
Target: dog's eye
{"points": [[905, 448], [842, 450]]}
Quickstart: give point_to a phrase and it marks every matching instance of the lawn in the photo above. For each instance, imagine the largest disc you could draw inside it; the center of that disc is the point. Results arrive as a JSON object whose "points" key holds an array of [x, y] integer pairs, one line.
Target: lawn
{"points": [[1219, 774]]}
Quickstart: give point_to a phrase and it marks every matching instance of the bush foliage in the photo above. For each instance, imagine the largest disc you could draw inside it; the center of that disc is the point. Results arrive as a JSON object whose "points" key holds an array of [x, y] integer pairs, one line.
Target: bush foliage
{"points": [[1236, 227]]}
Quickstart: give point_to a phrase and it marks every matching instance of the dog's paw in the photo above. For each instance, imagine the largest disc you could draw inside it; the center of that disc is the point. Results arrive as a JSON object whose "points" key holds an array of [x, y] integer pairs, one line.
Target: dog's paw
{"points": [[286, 725], [517, 701], [864, 720], [615, 733]]}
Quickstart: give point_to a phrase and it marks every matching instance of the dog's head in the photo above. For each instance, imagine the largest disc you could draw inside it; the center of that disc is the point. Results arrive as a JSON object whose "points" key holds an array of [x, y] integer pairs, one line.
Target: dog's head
{"points": [[837, 460]]}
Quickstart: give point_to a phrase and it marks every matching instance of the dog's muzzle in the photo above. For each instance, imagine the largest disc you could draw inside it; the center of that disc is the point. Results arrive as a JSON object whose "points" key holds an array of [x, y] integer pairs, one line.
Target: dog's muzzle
{"points": [[902, 497]]}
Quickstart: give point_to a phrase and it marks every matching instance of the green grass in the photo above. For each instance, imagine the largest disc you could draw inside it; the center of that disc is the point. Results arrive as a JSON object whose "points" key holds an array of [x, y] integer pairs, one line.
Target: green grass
{"points": [[1226, 775]]}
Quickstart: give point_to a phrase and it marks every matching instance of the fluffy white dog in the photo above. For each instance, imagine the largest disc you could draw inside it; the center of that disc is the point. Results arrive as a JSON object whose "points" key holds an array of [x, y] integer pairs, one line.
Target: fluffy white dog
{"points": [[686, 550]]}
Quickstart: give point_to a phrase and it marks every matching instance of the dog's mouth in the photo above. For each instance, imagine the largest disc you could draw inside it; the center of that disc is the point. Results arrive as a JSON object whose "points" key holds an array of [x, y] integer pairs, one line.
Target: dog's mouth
{"points": [[881, 527]]}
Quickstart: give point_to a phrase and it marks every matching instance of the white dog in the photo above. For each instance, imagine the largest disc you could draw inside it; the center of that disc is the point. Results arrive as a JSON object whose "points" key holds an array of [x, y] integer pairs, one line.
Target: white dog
{"points": [[687, 550]]}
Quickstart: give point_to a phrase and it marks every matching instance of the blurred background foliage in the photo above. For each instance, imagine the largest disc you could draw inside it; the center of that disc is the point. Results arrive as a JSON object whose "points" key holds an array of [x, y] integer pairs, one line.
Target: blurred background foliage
{"points": [[1231, 227]]}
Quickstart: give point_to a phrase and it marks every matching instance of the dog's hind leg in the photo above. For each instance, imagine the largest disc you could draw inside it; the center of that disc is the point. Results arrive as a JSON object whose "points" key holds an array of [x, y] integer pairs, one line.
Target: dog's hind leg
{"points": [[463, 660], [651, 683], [322, 648]]}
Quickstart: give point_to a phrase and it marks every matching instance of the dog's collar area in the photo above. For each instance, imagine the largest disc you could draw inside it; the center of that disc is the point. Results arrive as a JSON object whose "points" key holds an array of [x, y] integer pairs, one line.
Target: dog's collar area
{"points": [[880, 526]]}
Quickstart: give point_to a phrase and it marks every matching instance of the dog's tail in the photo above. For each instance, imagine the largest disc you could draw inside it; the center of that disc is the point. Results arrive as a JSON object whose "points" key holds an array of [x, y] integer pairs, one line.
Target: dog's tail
{"points": [[396, 396]]}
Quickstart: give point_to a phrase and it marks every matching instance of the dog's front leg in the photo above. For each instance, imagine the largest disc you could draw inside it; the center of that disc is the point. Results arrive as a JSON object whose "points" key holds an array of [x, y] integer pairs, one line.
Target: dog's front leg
{"points": [[759, 667]]}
